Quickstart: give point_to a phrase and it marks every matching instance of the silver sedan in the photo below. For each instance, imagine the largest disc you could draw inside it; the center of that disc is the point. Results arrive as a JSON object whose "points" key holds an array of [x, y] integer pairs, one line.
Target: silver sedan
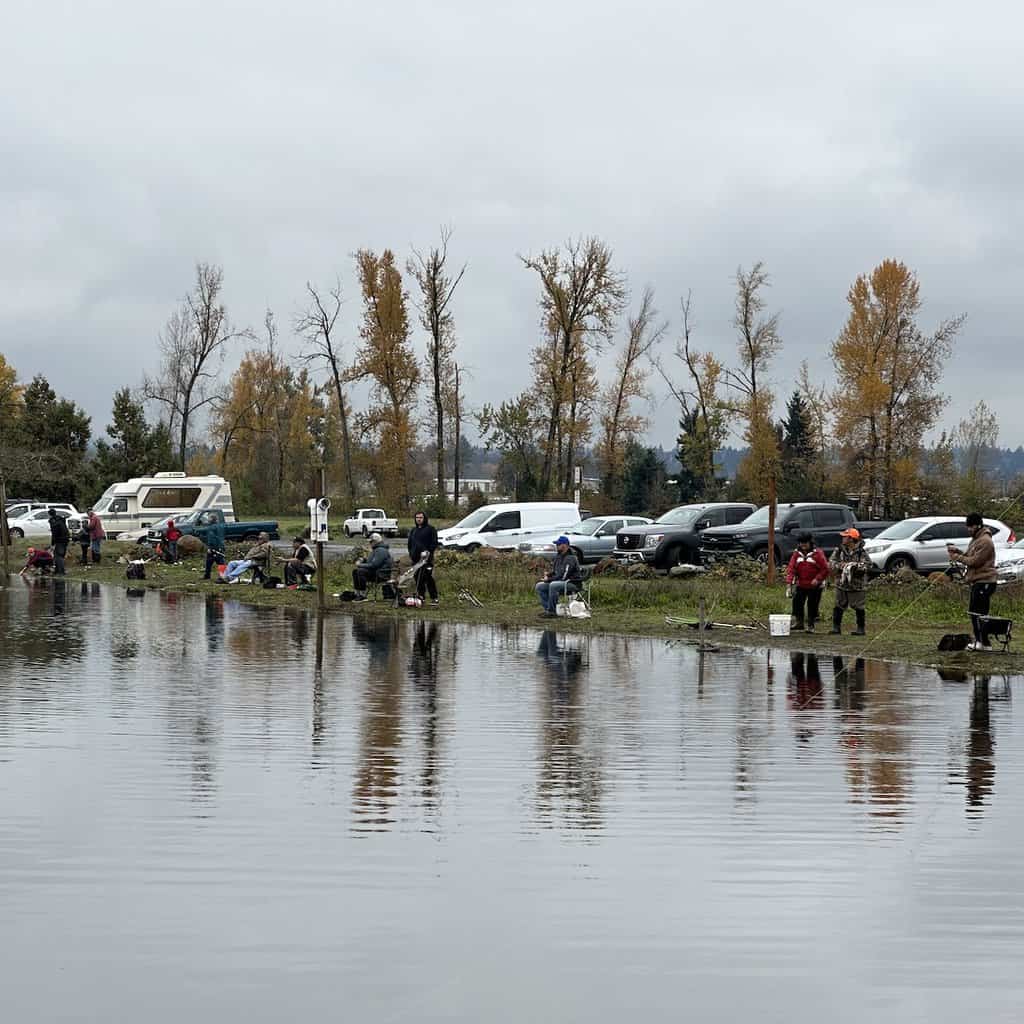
{"points": [[590, 540]]}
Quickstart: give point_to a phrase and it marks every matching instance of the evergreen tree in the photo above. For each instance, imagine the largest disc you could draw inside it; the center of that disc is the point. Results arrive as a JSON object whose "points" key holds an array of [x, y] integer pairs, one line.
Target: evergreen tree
{"points": [[135, 448], [689, 451], [643, 480], [797, 450]]}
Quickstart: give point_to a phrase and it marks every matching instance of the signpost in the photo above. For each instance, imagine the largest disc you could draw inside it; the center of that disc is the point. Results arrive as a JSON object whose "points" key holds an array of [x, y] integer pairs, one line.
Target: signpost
{"points": [[577, 479], [319, 534]]}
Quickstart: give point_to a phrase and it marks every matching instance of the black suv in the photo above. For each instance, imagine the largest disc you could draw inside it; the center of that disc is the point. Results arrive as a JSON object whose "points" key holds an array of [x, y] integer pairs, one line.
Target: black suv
{"points": [[674, 539], [823, 521]]}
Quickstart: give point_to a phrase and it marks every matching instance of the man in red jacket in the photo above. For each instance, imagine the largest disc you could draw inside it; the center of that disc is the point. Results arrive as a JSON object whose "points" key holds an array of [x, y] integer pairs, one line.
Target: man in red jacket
{"points": [[806, 576]]}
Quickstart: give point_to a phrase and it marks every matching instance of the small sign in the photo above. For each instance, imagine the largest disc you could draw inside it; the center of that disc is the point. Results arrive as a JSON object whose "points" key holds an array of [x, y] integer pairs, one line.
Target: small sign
{"points": [[318, 509]]}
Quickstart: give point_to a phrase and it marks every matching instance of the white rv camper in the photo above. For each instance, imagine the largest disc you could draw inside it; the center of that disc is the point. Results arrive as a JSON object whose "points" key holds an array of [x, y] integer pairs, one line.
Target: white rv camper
{"points": [[140, 503]]}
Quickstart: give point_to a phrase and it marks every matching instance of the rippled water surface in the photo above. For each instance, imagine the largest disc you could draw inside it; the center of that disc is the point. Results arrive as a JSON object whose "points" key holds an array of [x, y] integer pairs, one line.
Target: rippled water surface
{"points": [[202, 820]]}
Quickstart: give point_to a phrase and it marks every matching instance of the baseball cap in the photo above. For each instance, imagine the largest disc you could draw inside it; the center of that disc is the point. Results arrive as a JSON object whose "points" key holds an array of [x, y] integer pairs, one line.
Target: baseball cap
{"points": [[851, 532], [562, 540]]}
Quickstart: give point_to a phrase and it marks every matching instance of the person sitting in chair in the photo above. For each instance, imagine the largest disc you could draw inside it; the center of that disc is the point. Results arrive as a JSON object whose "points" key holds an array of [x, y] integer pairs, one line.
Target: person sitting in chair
{"points": [[565, 577], [374, 569], [256, 558], [301, 565]]}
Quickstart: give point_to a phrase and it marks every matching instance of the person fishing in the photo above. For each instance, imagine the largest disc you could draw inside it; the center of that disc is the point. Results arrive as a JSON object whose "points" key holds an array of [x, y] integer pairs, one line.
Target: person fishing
{"points": [[301, 565], [59, 540], [806, 575], [423, 542], [256, 558], [373, 569], [849, 566], [565, 575], [980, 560], [213, 534]]}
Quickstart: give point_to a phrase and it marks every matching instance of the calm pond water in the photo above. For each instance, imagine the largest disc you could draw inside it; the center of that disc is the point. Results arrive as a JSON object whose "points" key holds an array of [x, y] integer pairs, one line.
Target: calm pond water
{"points": [[453, 823]]}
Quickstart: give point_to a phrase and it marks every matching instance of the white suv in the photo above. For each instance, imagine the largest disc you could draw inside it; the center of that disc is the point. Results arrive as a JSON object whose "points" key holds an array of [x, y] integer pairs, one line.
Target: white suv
{"points": [[920, 543]]}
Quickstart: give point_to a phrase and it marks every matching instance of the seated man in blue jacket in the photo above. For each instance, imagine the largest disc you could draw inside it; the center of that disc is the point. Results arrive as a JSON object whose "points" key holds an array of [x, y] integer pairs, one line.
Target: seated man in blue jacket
{"points": [[376, 568], [565, 577]]}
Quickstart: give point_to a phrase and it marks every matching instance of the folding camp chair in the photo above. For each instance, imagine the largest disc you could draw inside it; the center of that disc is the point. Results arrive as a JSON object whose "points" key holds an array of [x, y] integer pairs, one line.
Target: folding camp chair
{"points": [[998, 629]]}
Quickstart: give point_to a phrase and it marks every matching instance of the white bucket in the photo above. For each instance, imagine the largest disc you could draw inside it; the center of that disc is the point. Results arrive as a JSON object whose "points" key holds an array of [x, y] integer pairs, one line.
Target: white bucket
{"points": [[778, 625]]}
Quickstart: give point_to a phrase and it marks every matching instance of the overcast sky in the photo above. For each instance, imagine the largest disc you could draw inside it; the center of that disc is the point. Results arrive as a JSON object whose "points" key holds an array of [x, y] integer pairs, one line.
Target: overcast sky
{"points": [[137, 138]]}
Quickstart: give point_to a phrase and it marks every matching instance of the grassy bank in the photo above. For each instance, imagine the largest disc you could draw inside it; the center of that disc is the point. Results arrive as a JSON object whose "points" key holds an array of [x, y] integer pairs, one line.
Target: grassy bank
{"points": [[905, 618]]}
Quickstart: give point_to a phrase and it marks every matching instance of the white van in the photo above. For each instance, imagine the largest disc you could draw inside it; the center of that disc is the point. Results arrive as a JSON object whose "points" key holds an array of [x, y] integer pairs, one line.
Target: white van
{"points": [[139, 503], [508, 524]]}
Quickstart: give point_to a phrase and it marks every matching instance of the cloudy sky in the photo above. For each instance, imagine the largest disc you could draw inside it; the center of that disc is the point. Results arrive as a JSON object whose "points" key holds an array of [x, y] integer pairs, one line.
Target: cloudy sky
{"points": [[137, 138]]}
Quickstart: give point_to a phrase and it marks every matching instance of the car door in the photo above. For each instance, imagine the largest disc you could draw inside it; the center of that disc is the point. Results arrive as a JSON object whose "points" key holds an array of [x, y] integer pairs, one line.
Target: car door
{"points": [[828, 524], [603, 542], [930, 545]]}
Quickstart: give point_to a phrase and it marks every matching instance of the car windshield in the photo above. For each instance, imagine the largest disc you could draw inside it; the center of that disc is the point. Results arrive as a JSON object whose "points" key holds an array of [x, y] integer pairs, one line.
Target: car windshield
{"points": [[680, 517], [186, 520], [588, 527], [474, 519], [901, 531], [760, 517]]}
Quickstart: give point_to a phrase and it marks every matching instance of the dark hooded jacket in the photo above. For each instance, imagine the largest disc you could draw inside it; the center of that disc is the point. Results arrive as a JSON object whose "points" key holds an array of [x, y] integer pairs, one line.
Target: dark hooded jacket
{"points": [[422, 539], [58, 530]]}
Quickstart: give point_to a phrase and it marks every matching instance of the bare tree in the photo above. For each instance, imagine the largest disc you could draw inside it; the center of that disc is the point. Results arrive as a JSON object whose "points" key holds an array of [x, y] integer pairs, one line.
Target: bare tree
{"points": [[455, 411], [192, 348], [582, 296], [437, 287], [317, 325], [618, 426]]}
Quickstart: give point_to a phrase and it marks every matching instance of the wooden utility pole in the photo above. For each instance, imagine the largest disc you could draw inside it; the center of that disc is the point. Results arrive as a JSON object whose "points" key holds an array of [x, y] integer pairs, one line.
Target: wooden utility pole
{"points": [[320, 568], [5, 537], [771, 529]]}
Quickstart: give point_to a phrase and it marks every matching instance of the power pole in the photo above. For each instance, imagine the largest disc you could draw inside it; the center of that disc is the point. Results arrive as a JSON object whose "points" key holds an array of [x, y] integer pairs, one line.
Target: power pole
{"points": [[771, 529], [5, 537]]}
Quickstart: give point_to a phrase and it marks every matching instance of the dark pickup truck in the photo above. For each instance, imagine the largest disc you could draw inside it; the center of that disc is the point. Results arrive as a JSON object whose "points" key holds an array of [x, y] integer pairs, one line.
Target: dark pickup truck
{"points": [[823, 521], [674, 538], [197, 524]]}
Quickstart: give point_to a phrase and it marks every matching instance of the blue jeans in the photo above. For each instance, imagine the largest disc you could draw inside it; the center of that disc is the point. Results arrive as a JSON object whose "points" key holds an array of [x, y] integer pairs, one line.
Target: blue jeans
{"points": [[236, 568], [549, 593]]}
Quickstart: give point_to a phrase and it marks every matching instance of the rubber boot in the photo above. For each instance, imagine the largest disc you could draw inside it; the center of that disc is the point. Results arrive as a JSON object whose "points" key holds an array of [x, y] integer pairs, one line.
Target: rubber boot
{"points": [[837, 621], [859, 631], [799, 624]]}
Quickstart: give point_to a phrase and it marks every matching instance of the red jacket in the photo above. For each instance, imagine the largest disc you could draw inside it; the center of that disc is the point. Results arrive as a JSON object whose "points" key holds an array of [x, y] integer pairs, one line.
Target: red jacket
{"points": [[808, 570]]}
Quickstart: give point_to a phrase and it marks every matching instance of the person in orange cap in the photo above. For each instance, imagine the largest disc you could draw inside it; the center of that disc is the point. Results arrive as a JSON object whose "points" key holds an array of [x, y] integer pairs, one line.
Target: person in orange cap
{"points": [[849, 566]]}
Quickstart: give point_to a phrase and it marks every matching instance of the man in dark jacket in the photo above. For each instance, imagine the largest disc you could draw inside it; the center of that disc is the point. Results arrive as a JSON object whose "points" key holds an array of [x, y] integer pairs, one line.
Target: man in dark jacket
{"points": [[423, 541], [59, 540], [565, 577], [213, 536], [376, 568]]}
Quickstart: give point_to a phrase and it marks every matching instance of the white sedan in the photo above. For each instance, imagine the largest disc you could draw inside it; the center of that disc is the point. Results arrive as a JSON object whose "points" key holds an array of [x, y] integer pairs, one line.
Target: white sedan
{"points": [[36, 524]]}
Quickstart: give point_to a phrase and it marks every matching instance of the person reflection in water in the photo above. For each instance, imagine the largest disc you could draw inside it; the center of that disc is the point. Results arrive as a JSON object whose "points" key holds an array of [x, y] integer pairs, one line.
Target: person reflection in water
{"points": [[981, 764], [804, 692], [569, 782]]}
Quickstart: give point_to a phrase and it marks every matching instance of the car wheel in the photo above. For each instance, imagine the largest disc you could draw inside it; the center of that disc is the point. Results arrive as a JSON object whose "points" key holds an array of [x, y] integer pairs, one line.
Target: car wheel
{"points": [[681, 556], [470, 548], [898, 562], [251, 537], [348, 532], [578, 554], [366, 532], [761, 555], [16, 532]]}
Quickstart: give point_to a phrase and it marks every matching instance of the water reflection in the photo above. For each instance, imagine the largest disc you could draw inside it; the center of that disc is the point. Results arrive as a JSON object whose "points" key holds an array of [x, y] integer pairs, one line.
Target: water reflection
{"points": [[805, 694], [981, 763], [569, 784]]}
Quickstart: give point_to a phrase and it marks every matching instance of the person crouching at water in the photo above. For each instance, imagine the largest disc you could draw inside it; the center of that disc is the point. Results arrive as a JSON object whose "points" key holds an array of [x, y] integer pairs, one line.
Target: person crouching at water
{"points": [[980, 559], [565, 574], [39, 560], [806, 575], [374, 569], [850, 565], [301, 565]]}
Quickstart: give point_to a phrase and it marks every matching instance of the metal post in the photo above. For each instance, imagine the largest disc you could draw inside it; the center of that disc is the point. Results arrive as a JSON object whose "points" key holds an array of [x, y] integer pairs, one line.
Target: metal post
{"points": [[700, 627], [320, 568], [5, 537]]}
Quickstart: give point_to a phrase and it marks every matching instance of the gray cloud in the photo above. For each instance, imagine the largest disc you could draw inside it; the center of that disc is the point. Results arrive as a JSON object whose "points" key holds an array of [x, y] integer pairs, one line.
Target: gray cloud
{"points": [[137, 139]]}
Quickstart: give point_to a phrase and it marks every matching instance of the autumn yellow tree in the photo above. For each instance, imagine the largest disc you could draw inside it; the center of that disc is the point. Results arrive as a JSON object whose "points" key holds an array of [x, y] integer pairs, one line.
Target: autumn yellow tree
{"points": [[582, 296], [387, 360], [620, 423], [887, 372], [10, 397], [757, 344]]}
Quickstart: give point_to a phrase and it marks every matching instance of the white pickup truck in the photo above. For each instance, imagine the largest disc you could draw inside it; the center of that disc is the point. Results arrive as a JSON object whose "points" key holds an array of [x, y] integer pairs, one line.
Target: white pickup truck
{"points": [[370, 520]]}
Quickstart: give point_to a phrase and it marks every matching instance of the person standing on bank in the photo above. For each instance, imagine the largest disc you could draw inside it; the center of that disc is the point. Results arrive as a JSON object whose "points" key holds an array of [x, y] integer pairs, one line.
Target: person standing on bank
{"points": [[423, 541], [565, 574], [82, 539], [96, 535], [980, 559], [213, 534], [59, 540], [850, 566], [806, 575]]}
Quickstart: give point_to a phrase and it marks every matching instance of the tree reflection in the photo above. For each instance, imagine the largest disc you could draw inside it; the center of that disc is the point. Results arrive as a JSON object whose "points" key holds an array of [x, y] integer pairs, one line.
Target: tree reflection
{"points": [[570, 776], [378, 770]]}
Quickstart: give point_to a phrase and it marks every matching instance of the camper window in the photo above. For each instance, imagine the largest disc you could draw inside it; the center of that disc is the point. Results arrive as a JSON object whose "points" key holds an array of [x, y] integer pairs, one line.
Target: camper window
{"points": [[171, 497], [118, 505]]}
